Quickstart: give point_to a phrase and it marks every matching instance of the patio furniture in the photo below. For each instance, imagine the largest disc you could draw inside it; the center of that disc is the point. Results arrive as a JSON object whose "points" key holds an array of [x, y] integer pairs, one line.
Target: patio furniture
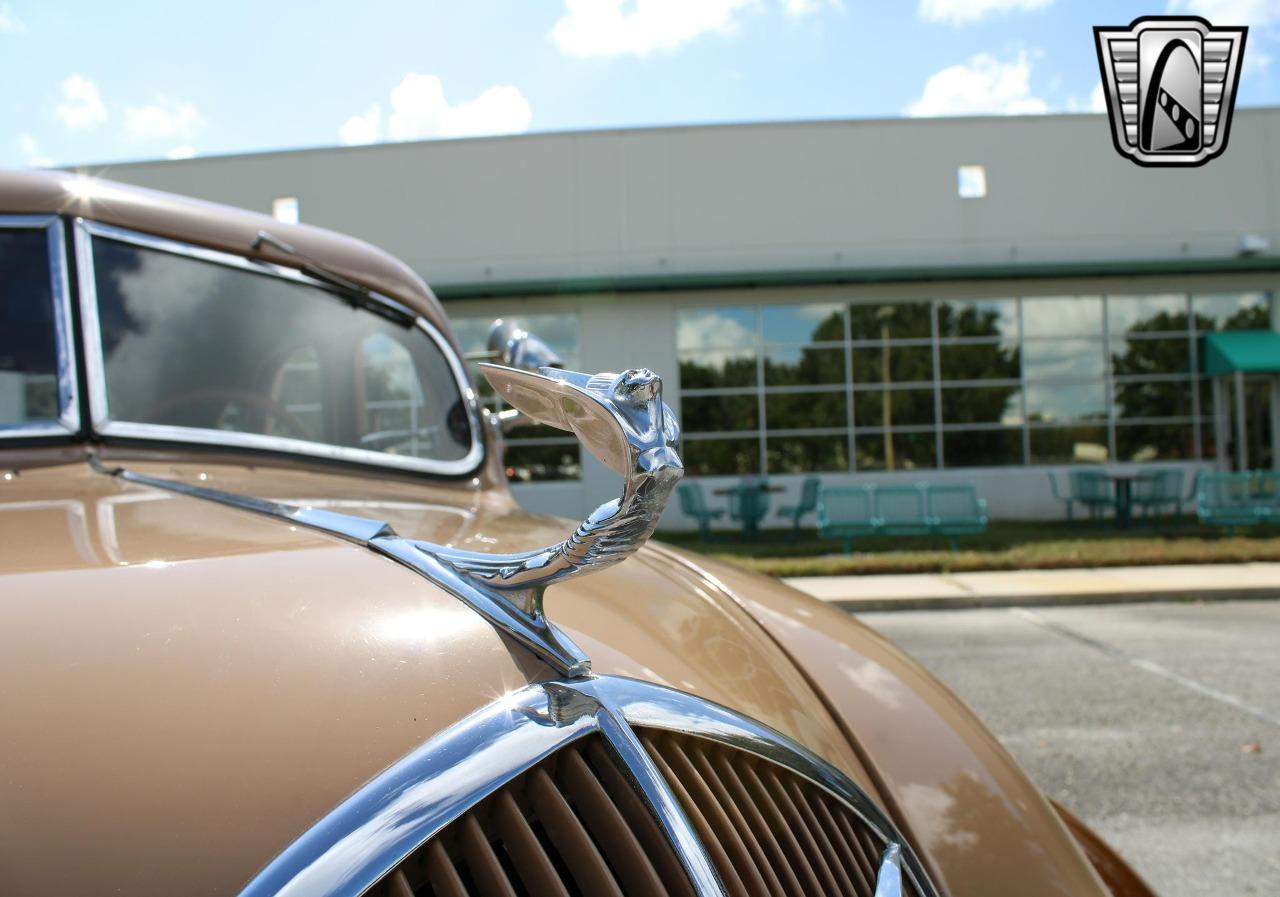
{"points": [[1092, 488], [694, 504], [1069, 499], [900, 511], [1236, 499], [749, 504], [954, 509], [1157, 488], [846, 513], [808, 504]]}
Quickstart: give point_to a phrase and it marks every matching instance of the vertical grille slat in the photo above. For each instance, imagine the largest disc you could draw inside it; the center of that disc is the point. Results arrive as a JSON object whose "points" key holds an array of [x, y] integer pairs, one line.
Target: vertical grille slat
{"points": [[399, 885], [741, 857], [575, 825], [760, 829], [655, 845], [534, 866], [566, 831], [801, 829], [483, 863], [829, 852], [617, 842], [847, 852], [785, 836], [728, 872], [442, 875], [759, 860]]}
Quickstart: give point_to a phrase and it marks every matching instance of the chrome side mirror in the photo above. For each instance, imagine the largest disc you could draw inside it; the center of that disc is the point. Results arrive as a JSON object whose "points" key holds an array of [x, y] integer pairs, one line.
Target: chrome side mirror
{"points": [[515, 347]]}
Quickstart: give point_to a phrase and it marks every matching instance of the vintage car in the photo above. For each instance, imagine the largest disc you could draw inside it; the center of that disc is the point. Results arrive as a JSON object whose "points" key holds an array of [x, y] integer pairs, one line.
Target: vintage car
{"points": [[271, 622]]}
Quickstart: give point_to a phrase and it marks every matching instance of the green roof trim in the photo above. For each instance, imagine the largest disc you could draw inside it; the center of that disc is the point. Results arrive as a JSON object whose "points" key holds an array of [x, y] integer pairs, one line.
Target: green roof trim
{"points": [[1247, 351], [834, 276]]}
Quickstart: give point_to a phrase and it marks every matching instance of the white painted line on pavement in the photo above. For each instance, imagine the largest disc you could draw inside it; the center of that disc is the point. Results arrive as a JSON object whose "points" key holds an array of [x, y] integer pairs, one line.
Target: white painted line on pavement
{"points": [[1149, 666]]}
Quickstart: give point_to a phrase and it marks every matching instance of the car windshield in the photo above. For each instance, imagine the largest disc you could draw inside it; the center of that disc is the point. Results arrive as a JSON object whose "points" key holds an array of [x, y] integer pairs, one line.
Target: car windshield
{"points": [[198, 349]]}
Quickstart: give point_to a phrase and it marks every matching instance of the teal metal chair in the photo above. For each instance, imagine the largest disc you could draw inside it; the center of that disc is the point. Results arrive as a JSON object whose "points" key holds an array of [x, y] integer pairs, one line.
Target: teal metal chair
{"points": [[1092, 488], [954, 509], [1069, 499], [900, 511], [808, 504], [846, 513], [694, 504], [749, 504], [1158, 489]]}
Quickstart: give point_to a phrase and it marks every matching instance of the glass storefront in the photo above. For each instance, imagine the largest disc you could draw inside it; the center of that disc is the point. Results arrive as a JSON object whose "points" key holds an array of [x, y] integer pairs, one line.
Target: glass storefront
{"points": [[999, 381]]}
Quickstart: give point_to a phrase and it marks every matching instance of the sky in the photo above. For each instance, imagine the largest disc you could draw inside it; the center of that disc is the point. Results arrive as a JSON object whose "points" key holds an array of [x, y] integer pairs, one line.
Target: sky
{"points": [[93, 82]]}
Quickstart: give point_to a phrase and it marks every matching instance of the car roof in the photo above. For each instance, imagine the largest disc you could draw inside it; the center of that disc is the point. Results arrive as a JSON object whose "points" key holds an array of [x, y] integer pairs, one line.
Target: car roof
{"points": [[215, 226]]}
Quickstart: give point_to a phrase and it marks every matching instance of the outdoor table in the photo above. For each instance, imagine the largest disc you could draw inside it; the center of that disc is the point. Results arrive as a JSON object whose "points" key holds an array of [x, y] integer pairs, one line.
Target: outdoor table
{"points": [[750, 524], [1122, 482]]}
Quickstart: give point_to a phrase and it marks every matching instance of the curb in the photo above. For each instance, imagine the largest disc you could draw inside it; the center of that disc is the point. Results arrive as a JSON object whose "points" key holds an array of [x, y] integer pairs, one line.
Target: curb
{"points": [[1082, 599]]}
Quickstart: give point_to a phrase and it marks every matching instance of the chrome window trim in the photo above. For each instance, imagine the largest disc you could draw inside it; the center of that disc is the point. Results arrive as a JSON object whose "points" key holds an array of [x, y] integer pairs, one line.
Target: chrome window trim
{"points": [[399, 810], [86, 231], [68, 422]]}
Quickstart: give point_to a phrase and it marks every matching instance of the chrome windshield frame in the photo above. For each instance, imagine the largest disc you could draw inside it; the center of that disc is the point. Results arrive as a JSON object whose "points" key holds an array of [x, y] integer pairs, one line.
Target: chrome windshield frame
{"points": [[85, 231], [68, 421], [370, 833]]}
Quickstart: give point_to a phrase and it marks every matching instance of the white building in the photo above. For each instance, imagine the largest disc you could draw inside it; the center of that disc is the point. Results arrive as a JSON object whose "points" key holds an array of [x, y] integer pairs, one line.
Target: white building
{"points": [[979, 299]]}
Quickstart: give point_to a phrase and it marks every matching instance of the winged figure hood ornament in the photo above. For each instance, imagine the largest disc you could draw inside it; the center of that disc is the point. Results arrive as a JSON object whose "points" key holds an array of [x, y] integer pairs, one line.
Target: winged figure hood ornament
{"points": [[622, 420]]}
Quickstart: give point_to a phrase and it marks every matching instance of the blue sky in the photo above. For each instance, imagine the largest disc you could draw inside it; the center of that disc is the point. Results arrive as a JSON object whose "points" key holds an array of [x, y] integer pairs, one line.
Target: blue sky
{"points": [[94, 82]]}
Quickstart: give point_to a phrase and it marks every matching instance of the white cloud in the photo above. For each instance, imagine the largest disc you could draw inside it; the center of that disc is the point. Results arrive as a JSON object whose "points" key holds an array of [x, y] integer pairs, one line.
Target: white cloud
{"points": [[81, 105], [1230, 12], [639, 27], [962, 12], [362, 129], [983, 84], [165, 119], [419, 109], [31, 154], [183, 151], [806, 7], [9, 23]]}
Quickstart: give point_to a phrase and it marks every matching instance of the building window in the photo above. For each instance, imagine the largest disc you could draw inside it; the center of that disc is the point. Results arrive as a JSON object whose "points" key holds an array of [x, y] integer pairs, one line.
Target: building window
{"points": [[971, 181], [911, 385], [285, 208], [532, 452]]}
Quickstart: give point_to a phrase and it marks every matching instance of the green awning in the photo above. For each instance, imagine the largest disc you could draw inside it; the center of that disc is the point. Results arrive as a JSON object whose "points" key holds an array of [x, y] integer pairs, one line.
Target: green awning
{"points": [[1247, 351]]}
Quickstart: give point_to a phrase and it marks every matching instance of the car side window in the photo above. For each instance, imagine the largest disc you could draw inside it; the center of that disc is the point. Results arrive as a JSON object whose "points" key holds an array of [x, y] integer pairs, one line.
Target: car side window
{"points": [[28, 332]]}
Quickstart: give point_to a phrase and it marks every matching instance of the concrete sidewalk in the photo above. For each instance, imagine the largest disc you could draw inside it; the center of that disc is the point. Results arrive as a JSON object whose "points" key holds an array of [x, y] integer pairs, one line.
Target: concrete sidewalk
{"points": [[1009, 588]]}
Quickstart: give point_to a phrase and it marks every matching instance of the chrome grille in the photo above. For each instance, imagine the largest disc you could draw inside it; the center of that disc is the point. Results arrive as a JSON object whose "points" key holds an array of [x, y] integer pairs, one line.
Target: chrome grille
{"points": [[769, 832], [571, 825], [602, 786]]}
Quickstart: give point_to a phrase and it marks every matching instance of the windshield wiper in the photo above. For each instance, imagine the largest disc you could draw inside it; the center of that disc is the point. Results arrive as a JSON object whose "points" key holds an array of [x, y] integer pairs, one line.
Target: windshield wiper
{"points": [[360, 294]]}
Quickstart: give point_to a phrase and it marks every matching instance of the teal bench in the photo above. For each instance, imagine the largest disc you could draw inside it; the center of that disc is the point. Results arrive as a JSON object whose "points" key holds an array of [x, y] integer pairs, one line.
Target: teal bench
{"points": [[1238, 499], [944, 509], [846, 513], [955, 509]]}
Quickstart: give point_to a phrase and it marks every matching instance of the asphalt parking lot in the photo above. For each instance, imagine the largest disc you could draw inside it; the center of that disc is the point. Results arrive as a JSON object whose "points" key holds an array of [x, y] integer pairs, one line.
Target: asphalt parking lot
{"points": [[1159, 724]]}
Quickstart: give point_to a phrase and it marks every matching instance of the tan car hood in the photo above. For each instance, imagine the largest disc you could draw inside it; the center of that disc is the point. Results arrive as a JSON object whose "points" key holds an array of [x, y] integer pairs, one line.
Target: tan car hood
{"points": [[188, 687]]}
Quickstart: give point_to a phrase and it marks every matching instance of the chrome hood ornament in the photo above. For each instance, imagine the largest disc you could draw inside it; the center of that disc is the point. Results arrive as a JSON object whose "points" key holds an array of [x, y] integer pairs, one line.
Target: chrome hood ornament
{"points": [[622, 420]]}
